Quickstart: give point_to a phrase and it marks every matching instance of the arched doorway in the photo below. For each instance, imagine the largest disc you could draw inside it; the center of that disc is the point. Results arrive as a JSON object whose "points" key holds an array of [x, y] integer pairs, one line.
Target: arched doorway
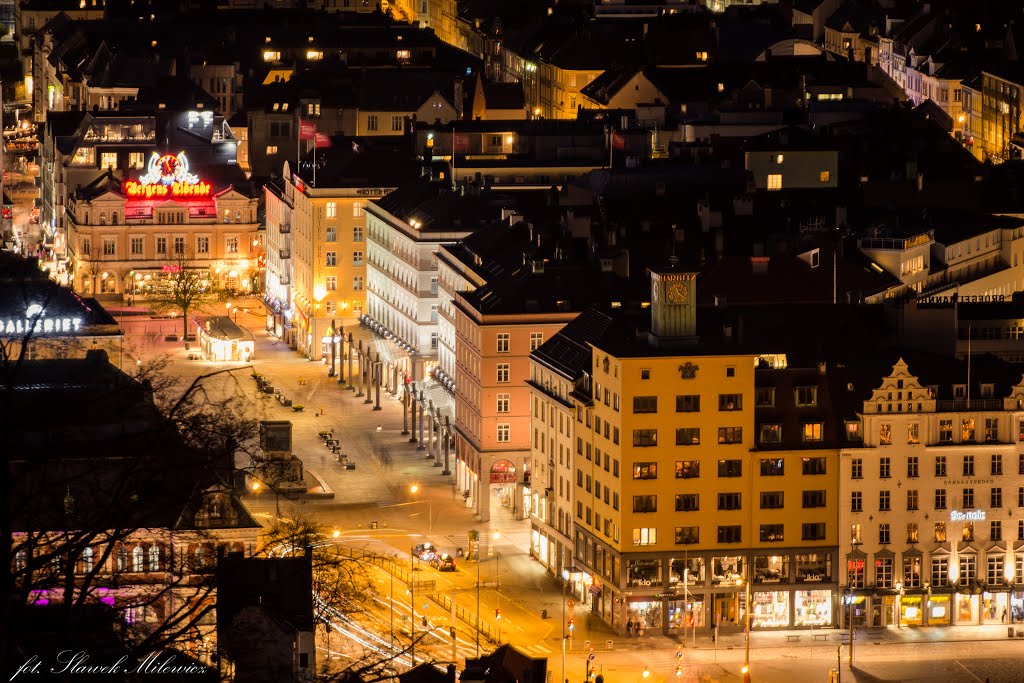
{"points": [[503, 485]]}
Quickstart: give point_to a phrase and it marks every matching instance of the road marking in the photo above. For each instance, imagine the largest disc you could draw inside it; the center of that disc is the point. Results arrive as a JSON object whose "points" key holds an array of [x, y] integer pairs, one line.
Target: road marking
{"points": [[968, 671]]}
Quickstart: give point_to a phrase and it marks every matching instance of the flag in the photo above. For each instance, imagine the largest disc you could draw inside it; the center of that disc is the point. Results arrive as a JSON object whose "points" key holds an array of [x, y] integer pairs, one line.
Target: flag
{"points": [[307, 130], [618, 140], [321, 140]]}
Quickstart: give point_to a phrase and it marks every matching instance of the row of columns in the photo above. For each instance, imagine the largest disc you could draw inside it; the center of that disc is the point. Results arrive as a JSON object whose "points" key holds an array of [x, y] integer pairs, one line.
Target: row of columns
{"points": [[370, 374]]}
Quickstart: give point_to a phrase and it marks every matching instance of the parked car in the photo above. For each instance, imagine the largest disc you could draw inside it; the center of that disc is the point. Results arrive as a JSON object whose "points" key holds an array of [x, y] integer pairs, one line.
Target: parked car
{"points": [[424, 551], [443, 562]]}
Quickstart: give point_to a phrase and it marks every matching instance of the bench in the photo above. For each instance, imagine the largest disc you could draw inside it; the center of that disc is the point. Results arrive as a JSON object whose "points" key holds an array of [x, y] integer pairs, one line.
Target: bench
{"points": [[793, 639], [821, 636]]}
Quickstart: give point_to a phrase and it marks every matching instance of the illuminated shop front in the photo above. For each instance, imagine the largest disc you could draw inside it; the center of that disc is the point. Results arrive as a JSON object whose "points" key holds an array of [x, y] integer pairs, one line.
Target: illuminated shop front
{"points": [[769, 609], [940, 610], [812, 608], [912, 610], [686, 613], [645, 611]]}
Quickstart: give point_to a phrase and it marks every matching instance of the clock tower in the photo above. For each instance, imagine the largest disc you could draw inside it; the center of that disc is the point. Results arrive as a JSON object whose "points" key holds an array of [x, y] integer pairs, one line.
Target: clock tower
{"points": [[673, 306]]}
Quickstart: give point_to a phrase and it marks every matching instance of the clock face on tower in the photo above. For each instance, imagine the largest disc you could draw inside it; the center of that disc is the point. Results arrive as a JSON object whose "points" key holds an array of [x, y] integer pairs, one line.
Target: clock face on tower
{"points": [[677, 293]]}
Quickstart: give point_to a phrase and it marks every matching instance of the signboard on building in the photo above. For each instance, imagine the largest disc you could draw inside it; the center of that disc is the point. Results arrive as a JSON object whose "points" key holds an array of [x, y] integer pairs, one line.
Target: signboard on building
{"points": [[168, 176], [503, 472], [35, 320]]}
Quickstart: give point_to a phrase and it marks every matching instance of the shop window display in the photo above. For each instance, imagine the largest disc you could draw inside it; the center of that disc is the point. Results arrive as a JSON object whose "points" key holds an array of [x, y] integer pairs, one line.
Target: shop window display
{"points": [[813, 608], [813, 568], [938, 610], [727, 570], [994, 608], [685, 614], [643, 573], [646, 614], [770, 609], [771, 568], [691, 567], [911, 613]]}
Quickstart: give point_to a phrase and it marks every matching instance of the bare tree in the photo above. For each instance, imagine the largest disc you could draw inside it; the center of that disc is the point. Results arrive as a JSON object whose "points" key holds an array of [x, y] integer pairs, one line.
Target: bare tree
{"points": [[189, 289]]}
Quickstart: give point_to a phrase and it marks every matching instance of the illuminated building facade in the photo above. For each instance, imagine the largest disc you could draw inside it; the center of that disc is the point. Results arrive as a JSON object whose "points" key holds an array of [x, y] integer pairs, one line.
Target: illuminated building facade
{"points": [[78, 148], [929, 534], [128, 238]]}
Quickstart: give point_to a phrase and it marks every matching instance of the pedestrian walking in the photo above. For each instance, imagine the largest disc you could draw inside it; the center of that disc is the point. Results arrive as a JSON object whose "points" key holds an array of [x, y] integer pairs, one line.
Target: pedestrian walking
{"points": [[641, 627], [629, 628]]}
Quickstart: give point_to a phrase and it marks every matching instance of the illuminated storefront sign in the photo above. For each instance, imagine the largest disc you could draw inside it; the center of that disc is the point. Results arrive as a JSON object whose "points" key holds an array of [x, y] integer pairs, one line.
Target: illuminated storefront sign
{"points": [[168, 176], [35, 322], [969, 516]]}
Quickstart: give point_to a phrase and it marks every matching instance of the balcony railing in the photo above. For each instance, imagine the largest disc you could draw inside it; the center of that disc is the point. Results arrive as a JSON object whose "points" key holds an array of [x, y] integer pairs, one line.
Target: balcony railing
{"points": [[975, 404]]}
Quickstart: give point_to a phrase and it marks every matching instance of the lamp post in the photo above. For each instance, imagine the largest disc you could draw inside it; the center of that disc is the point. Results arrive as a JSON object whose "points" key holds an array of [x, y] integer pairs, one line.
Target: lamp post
{"points": [[359, 370], [447, 444], [369, 370], [430, 507], [746, 656]]}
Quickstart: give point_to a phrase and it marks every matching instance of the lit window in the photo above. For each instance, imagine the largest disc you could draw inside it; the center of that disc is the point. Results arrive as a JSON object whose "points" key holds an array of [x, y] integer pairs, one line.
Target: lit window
{"points": [[824, 176], [774, 181], [271, 56], [403, 54], [271, 149], [108, 160], [314, 55], [332, 210]]}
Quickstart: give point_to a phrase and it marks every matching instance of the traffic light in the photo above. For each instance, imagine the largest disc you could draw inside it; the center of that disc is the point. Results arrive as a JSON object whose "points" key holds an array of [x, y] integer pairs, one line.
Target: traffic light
{"points": [[497, 614], [572, 623]]}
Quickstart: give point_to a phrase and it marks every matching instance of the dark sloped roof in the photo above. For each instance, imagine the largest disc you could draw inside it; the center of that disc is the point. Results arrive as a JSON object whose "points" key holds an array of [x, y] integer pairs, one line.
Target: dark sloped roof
{"points": [[569, 350]]}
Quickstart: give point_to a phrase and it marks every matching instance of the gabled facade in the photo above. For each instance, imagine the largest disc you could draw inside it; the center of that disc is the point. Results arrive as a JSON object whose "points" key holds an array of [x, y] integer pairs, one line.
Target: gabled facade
{"points": [[928, 531]]}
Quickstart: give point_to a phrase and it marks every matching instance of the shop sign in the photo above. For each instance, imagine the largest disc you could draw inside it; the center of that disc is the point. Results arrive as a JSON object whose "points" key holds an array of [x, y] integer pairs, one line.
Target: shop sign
{"points": [[167, 176], [969, 516], [35, 322]]}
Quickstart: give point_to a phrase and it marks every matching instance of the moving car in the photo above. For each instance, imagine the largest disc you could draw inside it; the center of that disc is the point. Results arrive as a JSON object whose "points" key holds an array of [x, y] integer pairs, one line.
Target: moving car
{"points": [[424, 551], [443, 562]]}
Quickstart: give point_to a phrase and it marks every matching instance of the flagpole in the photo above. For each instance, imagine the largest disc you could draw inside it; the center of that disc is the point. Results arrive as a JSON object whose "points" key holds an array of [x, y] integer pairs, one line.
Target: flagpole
{"points": [[298, 144]]}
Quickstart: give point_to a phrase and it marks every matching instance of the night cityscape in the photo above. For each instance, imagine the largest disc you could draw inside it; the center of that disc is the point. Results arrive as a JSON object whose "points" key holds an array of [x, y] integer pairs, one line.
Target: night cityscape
{"points": [[512, 341]]}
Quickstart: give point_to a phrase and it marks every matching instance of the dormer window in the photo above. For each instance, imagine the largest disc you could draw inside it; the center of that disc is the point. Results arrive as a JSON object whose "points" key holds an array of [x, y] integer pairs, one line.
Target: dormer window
{"points": [[959, 391], [987, 390]]}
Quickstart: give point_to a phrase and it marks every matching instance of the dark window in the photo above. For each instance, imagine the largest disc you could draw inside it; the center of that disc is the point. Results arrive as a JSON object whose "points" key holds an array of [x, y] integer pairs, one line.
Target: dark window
{"points": [[729, 501], [645, 437], [814, 499], [645, 503], [730, 468], [814, 466], [729, 534], [688, 404], [772, 500], [814, 531], [645, 404], [687, 535], [688, 436], [772, 467], [764, 397], [687, 502], [730, 435]]}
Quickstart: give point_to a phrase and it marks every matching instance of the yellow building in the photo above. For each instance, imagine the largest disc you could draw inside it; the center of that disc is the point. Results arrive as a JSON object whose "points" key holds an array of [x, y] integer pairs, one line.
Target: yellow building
{"points": [[675, 508], [328, 242]]}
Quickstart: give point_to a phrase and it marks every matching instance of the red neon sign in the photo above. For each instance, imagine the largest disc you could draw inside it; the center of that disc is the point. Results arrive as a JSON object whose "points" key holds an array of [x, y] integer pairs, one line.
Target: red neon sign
{"points": [[181, 190]]}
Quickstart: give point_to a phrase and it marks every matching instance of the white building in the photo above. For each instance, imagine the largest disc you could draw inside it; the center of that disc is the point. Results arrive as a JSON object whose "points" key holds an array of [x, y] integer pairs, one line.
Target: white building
{"points": [[928, 503], [405, 229]]}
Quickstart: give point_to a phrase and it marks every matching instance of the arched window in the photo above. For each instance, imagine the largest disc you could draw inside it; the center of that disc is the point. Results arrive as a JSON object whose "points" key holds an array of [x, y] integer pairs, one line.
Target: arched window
{"points": [[154, 558], [103, 217], [87, 560], [113, 218], [122, 559], [138, 559], [200, 557]]}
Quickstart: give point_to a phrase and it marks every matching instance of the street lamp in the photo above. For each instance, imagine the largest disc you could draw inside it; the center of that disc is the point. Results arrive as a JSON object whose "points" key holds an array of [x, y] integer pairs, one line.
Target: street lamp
{"points": [[746, 656], [430, 507]]}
